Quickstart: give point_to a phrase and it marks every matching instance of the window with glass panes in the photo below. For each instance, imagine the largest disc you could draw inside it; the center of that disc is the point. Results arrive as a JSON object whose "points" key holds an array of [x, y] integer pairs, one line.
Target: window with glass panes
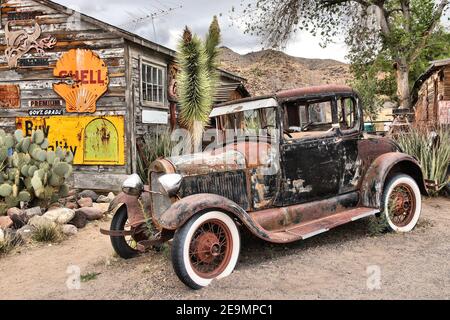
{"points": [[153, 79]]}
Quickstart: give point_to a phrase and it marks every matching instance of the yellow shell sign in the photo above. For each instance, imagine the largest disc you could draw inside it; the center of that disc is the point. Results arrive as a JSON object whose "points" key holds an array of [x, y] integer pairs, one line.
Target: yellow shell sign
{"points": [[92, 140], [89, 79]]}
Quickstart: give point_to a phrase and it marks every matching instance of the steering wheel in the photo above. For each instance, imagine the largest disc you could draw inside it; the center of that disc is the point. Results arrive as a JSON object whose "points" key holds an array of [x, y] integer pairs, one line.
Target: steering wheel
{"points": [[307, 125], [269, 125], [284, 131], [287, 133]]}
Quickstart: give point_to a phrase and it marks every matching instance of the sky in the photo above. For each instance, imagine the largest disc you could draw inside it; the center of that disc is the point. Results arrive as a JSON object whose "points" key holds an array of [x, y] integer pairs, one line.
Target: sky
{"points": [[173, 15]]}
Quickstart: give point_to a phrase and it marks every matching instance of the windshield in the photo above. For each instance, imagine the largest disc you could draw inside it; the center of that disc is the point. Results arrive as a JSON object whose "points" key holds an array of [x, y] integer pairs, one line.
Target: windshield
{"points": [[256, 122]]}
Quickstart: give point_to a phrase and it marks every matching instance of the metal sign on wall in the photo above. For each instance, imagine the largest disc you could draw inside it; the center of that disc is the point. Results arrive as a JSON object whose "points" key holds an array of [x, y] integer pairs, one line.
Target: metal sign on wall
{"points": [[92, 140], [87, 77], [9, 96]]}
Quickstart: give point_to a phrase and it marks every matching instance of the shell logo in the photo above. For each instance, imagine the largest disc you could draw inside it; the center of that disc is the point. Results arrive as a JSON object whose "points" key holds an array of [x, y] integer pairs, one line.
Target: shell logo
{"points": [[86, 79]]}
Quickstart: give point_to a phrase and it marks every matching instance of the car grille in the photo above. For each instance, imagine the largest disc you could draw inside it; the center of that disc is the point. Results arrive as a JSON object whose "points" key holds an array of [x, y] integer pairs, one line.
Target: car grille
{"points": [[160, 203], [231, 185]]}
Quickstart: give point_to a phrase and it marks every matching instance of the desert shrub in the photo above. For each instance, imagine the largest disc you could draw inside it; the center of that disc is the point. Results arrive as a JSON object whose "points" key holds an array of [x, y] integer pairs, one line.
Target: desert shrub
{"points": [[432, 148], [152, 146], [47, 233], [6, 246]]}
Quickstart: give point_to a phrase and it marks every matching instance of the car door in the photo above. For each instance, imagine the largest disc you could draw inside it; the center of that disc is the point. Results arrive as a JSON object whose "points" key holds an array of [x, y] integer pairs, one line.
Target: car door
{"points": [[350, 130], [309, 162]]}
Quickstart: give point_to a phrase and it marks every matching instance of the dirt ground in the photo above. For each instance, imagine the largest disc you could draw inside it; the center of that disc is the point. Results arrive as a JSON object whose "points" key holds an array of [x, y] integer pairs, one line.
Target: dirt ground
{"points": [[342, 264]]}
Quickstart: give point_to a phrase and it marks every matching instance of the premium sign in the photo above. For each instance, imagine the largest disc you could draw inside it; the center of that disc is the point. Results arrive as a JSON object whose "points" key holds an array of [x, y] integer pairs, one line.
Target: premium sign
{"points": [[92, 140], [88, 77], [9, 96], [45, 103]]}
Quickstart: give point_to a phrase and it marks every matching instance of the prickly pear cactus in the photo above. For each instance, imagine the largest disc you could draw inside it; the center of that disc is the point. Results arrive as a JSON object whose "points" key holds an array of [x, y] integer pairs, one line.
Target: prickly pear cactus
{"points": [[29, 172]]}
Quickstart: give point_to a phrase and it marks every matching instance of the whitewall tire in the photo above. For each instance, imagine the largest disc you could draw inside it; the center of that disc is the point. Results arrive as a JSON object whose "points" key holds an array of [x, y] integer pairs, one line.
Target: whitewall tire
{"points": [[205, 248], [402, 203]]}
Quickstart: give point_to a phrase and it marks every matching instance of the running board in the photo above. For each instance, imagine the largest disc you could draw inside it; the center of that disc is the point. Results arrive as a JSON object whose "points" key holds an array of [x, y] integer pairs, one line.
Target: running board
{"points": [[309, 229]]}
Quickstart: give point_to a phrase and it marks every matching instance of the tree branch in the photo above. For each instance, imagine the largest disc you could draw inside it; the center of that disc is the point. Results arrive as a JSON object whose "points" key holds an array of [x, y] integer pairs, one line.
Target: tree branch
{"points": [[437, 17], [328, 3]]}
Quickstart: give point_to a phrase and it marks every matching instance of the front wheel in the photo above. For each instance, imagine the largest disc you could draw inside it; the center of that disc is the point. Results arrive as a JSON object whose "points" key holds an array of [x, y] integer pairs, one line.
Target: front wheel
{"points": [[125, 247], [402, 203], [205, 248]]}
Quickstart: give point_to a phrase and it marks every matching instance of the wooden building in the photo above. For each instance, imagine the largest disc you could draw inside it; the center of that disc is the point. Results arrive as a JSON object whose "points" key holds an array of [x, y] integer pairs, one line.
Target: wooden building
{"points": [[431, 95], [92, 87]]}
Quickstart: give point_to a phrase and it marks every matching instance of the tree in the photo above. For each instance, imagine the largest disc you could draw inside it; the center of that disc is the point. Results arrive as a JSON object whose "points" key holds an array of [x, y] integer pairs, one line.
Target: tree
{"points": [[375, 80], [197, 80], [400, 30]]}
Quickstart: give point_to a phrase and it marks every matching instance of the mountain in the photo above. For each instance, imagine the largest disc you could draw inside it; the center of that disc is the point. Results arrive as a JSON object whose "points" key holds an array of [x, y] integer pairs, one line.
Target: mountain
{"points": [[268, 71]]}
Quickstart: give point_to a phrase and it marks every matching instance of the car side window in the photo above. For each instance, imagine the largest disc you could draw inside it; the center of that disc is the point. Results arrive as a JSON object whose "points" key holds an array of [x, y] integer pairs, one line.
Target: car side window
{"points": [[308, 119], [347, 114]]}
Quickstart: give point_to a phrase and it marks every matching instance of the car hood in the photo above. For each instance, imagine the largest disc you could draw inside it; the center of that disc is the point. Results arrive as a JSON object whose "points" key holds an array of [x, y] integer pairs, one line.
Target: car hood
{"points": [[231, 157]]}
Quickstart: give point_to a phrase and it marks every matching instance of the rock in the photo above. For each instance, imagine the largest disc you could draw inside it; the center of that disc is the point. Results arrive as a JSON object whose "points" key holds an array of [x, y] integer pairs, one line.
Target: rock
{"points": [[14, 211], [69, 199], [60, 216], [88, 194], [2, 235], [104, 207], [85, 202], [91, 213], [5, 222], [79, 220], [18, 217], [19, 220], [69, 229], [106, 199], [39, 221], [71, 205], [53, 206], [26, 232], [35, 211]]}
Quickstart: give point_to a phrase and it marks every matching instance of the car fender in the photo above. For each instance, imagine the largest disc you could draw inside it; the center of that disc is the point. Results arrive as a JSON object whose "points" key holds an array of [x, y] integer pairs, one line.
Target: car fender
{"points": [[134, 208], [182, 210], [384, 166]]}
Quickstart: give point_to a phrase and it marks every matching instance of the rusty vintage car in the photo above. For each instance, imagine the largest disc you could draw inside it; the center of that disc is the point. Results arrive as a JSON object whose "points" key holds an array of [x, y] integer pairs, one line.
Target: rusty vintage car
{"points": [[284, 167]]}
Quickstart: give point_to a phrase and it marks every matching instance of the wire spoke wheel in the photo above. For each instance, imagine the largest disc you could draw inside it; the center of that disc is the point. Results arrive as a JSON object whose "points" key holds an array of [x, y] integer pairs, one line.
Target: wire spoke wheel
{"points": [[401, 205], [129, 239], [205, 248], [210, 249]]}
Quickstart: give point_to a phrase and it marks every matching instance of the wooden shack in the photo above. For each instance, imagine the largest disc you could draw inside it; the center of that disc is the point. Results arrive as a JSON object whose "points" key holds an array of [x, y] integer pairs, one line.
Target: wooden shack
{"points": [[92, 87], [431, 95]]}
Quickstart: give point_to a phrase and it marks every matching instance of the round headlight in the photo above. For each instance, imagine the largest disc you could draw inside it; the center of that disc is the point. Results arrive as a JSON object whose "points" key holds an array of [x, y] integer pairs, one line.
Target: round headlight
{"points": [[133, 185], [170, 183]]}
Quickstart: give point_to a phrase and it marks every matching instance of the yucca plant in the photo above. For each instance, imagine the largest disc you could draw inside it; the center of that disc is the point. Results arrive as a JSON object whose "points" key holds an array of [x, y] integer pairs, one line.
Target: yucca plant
{"points": [[432, 148], [194, 87], [197, 81], [213, 39]]}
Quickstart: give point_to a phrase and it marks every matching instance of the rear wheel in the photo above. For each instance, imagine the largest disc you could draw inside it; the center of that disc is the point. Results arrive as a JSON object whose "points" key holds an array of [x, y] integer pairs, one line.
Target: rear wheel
{"points": [[125, 246], [402, 203], [205, 248]]}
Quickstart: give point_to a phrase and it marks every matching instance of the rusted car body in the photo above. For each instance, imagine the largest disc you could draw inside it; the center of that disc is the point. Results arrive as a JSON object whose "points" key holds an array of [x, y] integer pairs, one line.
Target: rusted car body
{"points": [[314, 169]]}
